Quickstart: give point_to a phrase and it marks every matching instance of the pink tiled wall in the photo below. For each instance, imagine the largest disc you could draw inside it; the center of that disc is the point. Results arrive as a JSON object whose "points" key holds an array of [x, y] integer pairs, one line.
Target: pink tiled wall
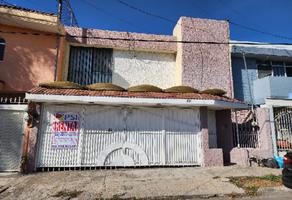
{"points": [[110, 39], [206, 65]]}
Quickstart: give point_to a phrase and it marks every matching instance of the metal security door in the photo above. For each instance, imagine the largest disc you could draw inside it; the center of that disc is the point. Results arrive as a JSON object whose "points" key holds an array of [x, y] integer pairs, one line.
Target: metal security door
{"points": [[11, 138], [117, 136], [283, 126]]}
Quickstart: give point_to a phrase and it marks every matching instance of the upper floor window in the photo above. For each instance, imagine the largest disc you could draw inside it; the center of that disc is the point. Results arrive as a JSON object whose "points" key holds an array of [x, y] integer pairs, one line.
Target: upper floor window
{"points": [[289, 69], [2, 48], [264, 69], [274, 68], [89, 65]]}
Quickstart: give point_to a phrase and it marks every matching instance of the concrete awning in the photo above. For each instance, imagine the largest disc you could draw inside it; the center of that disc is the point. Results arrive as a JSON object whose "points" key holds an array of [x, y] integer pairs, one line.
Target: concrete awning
{"points": [[45, 95], [279, 102]]}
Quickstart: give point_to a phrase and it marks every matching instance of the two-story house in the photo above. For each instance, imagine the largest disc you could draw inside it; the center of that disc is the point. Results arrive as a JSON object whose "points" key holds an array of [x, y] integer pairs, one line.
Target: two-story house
{"points": [[29, 44], [262, 76], [122, 128]]}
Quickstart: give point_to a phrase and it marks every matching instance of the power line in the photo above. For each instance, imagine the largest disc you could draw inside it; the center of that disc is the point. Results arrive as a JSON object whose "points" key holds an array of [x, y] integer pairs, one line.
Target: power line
{"points": [[109, 14], [143, 40], [3, 2], [231, 22], [259, 31], [146, 12]]}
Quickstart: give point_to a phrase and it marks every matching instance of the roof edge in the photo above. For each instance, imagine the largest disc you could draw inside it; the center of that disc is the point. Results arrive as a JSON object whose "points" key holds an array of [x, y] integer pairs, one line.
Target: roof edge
{"points": [[105, 100]]}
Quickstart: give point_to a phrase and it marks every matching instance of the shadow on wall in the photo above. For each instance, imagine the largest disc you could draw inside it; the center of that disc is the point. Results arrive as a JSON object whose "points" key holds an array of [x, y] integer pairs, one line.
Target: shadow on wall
{"points": [[25, 66], [120, 81]]}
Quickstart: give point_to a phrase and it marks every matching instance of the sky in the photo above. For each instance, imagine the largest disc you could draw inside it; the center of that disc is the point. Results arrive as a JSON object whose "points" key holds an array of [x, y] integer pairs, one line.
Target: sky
{"points": [[271, 16]]}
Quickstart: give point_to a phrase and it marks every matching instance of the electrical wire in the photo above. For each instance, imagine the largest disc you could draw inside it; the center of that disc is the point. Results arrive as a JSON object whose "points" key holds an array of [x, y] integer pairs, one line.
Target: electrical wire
{"points": [[259, 31], [3, 2], [231, 22], [109, 14], [143, 40]]}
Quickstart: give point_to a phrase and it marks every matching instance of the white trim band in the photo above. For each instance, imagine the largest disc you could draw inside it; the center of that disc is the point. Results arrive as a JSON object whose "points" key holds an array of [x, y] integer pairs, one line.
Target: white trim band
{"points": [[279, 102], [13, 107], [131, 101]]}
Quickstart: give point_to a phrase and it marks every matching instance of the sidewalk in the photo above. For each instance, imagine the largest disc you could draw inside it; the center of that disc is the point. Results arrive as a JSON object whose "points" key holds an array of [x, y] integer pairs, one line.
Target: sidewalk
{"points": [[126, 183]]}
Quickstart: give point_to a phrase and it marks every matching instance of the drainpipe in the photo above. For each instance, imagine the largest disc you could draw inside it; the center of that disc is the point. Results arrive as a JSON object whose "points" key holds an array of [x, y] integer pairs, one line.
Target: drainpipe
{"points": [[250, 92], [248, 80], [237, 130]]}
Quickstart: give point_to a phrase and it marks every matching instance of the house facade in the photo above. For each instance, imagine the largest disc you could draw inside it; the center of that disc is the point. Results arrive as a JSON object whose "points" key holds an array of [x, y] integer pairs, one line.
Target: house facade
{"points": [[69, 128], [138, 129], [265, 82], [28, 56]]}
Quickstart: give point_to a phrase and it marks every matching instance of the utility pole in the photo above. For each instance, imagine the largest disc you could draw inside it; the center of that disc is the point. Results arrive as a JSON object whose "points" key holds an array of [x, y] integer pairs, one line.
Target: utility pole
{"points": [[60, 8]]}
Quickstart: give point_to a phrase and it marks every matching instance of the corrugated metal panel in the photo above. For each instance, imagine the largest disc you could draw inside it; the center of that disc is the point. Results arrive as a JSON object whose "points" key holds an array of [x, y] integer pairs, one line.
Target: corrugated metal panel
{"points": [[90, 65], [11, 137], [115, 136]]}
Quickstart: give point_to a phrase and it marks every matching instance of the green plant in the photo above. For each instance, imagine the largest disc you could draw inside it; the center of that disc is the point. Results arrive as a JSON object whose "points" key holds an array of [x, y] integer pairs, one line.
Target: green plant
{"points": [[144, 88], [251, 184], [251, 190], [271, 177]]}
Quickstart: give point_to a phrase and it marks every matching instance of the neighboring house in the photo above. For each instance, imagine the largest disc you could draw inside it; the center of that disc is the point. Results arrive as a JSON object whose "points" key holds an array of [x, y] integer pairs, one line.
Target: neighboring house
{"points": [[28, 56], [266, 83], [137, 129]]}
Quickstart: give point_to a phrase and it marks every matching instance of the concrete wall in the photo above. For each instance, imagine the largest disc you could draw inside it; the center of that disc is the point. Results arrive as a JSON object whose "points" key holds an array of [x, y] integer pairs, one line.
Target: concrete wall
{"points": [[204, 65], [169, 47], [201, 66], [240, 77], [241, 156], [276, 87], [141, 67], [211, 156], [28, 59]]}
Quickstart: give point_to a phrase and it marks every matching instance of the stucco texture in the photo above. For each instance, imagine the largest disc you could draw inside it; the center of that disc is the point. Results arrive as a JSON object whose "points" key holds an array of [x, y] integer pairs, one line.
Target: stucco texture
{"points": [[204, 65], [140, 67], [28, 59], [95, 37]]}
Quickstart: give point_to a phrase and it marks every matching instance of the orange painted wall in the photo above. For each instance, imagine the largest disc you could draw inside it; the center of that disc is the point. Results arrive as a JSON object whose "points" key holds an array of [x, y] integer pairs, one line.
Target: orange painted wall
{"points": [[28, 59]]}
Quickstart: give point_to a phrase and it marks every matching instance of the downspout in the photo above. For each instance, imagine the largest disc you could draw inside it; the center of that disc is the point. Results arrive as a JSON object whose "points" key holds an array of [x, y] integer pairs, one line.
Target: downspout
{"points": [[237, 130], [248, 82], [254, 119]]}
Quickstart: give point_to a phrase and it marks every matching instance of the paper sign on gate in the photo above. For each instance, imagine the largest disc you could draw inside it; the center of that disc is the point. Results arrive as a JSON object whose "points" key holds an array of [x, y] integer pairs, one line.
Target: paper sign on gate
{"points": [[65, 128]]}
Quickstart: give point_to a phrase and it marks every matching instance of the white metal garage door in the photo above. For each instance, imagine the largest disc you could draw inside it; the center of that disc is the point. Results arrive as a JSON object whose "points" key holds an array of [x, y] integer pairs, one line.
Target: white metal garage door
{"points": [[11, 137], [115, 136]]}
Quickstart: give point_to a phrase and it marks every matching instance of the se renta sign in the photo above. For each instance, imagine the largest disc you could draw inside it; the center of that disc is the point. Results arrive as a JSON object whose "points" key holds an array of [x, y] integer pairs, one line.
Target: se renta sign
{"points": [[65, 128]]}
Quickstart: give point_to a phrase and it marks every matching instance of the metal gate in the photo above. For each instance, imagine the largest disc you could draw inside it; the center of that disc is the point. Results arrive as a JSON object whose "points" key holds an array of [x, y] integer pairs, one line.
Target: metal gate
{"points": [[11, 137], [283, 126], [115, 136]]}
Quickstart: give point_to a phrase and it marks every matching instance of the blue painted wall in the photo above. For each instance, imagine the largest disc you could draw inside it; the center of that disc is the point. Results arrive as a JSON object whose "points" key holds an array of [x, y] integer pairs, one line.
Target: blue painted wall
{"points": [[240, 81]]}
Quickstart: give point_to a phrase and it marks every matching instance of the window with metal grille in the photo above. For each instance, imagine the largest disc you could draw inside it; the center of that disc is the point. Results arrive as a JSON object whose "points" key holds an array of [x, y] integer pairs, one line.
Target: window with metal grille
{"points": [[264, 70], [2, 48], [89, 65]]}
